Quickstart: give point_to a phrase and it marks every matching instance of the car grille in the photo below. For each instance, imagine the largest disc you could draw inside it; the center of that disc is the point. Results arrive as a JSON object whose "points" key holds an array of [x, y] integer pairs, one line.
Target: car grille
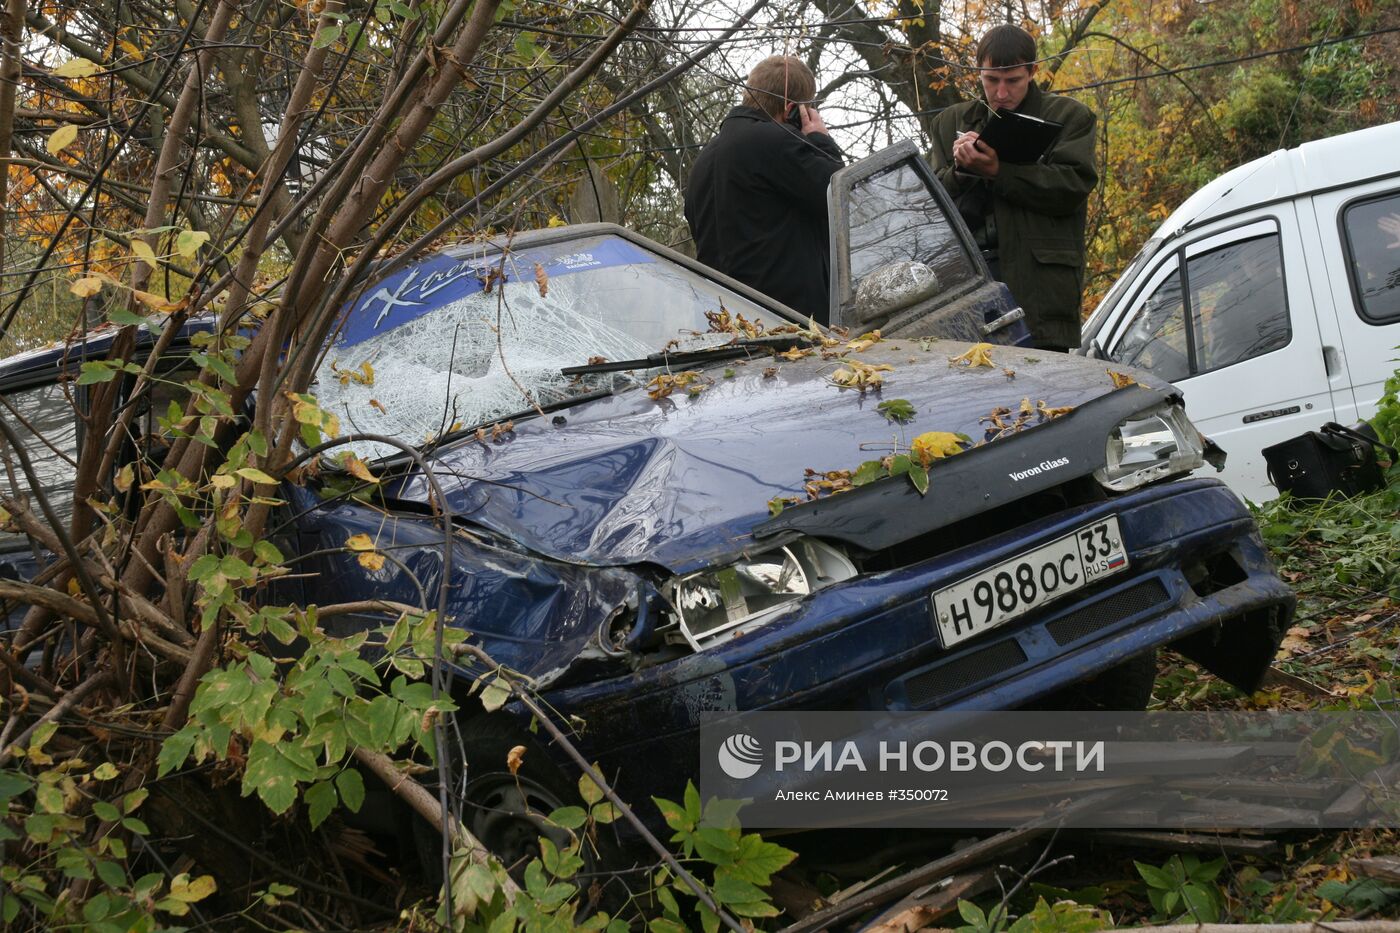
{"points": [[972, 668], [1048, 502], [1086, 620]]}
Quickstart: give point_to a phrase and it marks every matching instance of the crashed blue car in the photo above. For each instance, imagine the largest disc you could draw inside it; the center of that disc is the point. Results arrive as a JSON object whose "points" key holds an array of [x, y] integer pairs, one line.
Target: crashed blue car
{"points": [[656, 480]]}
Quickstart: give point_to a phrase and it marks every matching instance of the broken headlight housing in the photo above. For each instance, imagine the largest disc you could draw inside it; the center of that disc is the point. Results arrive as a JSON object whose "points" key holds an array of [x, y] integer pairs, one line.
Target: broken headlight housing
{"points": [[715, 605], [1149, 446]]}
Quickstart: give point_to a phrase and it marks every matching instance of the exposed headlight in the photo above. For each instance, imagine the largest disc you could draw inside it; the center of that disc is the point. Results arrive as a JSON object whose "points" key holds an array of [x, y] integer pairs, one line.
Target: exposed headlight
{"points": [[713, 604], [1149, 446]]}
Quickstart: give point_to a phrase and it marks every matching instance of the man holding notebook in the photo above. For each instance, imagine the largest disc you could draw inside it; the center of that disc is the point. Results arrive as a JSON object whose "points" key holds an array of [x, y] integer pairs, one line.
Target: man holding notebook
{"points": [[1020, 164]]}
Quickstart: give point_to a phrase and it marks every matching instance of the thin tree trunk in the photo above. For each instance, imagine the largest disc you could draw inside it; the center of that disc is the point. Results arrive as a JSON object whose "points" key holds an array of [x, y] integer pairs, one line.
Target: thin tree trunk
{"points": [[10, 25]]}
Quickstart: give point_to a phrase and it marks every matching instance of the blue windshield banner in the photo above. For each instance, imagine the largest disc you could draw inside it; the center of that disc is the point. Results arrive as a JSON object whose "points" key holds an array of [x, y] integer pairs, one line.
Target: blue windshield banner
{"points": [[442, 279]]}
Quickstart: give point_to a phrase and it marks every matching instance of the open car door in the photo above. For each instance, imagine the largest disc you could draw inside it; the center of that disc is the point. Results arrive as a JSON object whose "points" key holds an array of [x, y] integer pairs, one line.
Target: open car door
{"points": [[902, 259]]}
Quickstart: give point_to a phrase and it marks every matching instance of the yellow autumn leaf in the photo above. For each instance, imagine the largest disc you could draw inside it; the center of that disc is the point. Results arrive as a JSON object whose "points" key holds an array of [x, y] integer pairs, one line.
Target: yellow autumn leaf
{"points": [[143, 252], [75, 68], [156, 302], [255, 475], [366, 374], [864, 342], [61, 138], [369, 558], [356, 467], [979, 354], [542, 280], [862, 376], [130, 48], [1049, 411], [1122, 380], [556, 221], [124, 478], [187, 891], [935, 445], [222, 481], [86, 287], [188, 242]]}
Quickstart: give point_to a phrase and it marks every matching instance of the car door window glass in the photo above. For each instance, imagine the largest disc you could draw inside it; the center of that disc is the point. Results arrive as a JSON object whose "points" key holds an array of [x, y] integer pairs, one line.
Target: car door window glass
{"points": [[1155, 338], [1239, 308], [1373, 256], [898, 229], [44, 420]]}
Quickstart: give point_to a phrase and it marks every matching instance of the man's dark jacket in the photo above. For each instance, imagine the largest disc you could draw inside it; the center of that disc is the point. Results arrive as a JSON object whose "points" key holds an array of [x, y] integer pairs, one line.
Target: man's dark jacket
{"points": [[1039, 210], [756, 204]]}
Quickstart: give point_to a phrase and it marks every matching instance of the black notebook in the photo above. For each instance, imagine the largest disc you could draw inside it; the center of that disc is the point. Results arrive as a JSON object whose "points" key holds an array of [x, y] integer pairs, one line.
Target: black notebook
{"points": [[1018, 138]]}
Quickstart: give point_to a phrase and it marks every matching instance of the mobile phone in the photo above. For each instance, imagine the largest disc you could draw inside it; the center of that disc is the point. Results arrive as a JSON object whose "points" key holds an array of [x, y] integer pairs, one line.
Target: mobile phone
{"points": [[794, 117]]}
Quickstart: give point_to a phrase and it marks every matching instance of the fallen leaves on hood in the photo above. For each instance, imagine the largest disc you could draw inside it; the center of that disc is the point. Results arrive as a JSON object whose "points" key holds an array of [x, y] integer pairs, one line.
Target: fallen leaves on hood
{"points": [[935, 445], [663, 385], [862, 376], [979, 354], [542, 280], [864, 342], [1122, 380], [829, 483], [899, 410], [1047, 412], [722, 322]]}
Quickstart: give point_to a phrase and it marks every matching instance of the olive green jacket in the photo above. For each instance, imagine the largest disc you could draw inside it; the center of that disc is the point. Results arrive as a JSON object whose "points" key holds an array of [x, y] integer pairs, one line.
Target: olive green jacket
{"points": [[1039, 210]]}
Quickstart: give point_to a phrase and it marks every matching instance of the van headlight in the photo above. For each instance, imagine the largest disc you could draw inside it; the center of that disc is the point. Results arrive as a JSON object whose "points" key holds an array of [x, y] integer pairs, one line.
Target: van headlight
{"points": [[715, 605], [1149, 446]]}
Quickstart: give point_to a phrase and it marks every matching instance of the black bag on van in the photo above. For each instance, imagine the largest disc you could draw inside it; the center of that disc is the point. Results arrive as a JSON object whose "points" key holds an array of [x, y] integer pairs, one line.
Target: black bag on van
{"points": [[1333, 460]]}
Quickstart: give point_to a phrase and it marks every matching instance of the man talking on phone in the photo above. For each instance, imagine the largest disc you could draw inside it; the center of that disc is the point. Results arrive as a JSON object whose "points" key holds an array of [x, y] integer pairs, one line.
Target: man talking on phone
{"points": [[756, 198]]}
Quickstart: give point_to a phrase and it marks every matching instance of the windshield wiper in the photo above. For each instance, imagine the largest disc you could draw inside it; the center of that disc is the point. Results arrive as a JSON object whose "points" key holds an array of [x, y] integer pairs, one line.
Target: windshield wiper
{"points": [[741, 347]]}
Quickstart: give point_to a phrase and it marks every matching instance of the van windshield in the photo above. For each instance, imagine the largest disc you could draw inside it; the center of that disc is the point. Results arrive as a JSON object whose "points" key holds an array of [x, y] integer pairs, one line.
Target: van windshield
{"points": [[1099, 317], [474, 334]]}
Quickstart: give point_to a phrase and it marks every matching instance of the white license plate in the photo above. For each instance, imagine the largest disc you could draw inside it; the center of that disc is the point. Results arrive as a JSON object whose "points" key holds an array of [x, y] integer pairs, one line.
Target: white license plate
{"points": [[1014, 587]]}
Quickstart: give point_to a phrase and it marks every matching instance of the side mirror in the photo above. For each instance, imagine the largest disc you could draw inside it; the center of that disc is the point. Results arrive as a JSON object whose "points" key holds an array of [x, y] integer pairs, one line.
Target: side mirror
{"points": [[893, 286]]}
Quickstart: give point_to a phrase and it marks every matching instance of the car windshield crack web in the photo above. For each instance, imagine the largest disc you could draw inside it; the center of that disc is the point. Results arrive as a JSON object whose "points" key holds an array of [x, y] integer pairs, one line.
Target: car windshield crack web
{"points": [[414, 367]]}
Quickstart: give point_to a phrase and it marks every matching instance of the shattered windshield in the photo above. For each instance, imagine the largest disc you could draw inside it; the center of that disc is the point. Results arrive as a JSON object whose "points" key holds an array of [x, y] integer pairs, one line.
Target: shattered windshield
{"points": [[472, 334]]}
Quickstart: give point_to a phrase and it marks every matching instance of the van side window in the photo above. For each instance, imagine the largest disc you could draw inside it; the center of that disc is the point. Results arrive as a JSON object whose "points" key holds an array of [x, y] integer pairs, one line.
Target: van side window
{"points": [[1373, 256], [1156, 337], [1239, 309], [46, 423]]}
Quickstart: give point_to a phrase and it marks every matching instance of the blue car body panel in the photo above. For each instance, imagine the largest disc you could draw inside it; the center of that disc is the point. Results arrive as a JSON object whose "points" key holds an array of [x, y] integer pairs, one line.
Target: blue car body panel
{"points": [[568, 527], [683, 482]]}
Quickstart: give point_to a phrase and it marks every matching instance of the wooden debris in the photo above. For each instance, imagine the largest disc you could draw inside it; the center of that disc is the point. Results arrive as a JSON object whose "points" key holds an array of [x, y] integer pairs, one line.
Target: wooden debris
{"points": [[975, 855], [1382, 868], [926, 905], [1355, 799], [1322, 926], [1185, 842]]}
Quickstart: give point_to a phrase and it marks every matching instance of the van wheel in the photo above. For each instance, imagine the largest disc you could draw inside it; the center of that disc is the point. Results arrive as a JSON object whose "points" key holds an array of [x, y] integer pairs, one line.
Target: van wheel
{"points": [[1125, 688]]}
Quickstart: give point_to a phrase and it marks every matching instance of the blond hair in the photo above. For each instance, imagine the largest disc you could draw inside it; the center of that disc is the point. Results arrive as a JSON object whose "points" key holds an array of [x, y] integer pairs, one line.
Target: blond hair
{"points": [[776, 82]]}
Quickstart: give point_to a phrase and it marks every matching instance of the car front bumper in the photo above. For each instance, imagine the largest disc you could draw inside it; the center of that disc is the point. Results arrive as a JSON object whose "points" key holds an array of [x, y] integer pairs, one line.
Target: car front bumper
{"points": [[1199, 580]]}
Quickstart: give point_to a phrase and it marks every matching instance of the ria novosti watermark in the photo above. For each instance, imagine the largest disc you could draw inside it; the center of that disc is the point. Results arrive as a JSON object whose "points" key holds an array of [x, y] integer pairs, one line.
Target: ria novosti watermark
{"points": [[1000, 768]]}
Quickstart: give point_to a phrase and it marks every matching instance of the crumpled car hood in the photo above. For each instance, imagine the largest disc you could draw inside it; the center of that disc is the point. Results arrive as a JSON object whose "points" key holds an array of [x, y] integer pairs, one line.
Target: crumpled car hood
{"points": [[682, 482]]}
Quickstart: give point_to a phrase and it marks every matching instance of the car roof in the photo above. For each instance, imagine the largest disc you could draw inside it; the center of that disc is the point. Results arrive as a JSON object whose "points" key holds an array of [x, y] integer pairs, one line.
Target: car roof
{"points": [[1336, 161]]}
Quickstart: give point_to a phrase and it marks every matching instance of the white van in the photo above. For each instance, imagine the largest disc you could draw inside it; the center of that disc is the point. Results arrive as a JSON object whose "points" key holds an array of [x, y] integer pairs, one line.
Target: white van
{"points": [[1271, 297]]}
